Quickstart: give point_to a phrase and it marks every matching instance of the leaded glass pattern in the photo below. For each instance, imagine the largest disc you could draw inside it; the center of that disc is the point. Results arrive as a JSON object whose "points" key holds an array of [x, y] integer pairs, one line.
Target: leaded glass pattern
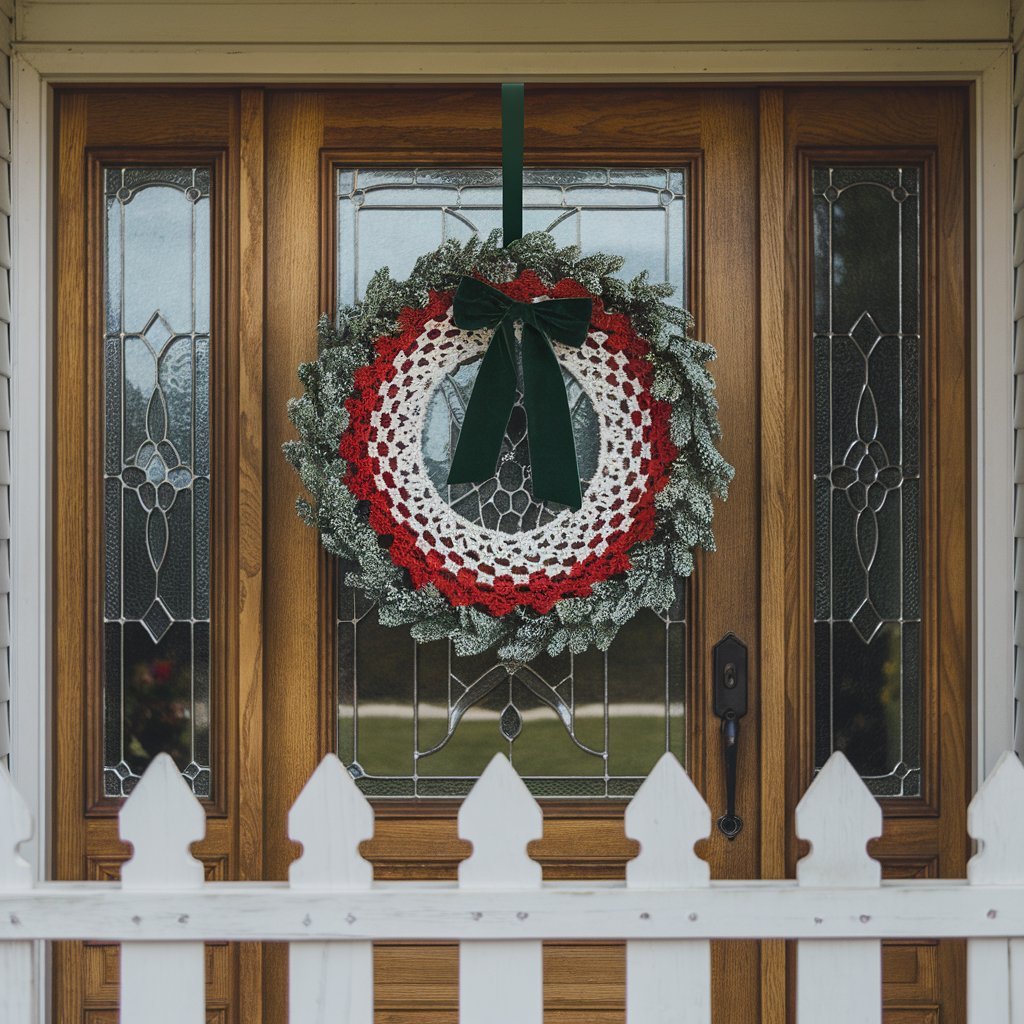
{"points": [[156, 286], [390, 216], [867, 486], [418, 720]]}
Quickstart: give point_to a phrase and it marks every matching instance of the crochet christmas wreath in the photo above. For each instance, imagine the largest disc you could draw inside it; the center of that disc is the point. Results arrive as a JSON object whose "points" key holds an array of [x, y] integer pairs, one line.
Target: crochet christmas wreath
{"points": [[486, 563]]}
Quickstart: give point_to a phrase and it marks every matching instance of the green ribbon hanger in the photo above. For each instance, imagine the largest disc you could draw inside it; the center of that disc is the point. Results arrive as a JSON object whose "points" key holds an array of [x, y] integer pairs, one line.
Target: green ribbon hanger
{"points": [[554, 469]]}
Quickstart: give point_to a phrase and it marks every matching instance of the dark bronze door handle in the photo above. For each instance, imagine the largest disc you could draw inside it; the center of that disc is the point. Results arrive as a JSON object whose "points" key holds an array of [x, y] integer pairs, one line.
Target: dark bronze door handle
{"points": [[730, 676]]}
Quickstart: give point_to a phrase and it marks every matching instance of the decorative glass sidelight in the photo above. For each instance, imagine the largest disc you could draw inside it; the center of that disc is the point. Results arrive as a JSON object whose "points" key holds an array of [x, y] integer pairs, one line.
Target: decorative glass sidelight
{"points": [[156, 287], [418, 720], [867, 473]]}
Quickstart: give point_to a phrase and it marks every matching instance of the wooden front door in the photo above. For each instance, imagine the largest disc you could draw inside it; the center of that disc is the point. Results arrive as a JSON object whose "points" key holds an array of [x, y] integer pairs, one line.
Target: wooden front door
{"points": [[821, 247]]}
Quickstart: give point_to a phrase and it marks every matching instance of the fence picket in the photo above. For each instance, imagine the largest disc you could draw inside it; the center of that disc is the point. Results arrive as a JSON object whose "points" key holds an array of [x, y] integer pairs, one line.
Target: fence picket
{"points": [[1016, 981], [162, 982], [330, 981], [500, 982], [667, 816], [996, 819], [162, 912], [838, 815], [17, 976]]}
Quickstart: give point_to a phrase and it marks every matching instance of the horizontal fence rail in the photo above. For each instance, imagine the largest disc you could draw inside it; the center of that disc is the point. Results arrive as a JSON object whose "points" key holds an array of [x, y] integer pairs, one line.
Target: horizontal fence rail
{"points": [[330, 911]]}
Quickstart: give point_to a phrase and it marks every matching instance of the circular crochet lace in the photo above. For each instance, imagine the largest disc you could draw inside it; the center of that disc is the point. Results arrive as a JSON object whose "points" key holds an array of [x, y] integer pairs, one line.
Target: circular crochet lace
{"points": [[566, 552]]}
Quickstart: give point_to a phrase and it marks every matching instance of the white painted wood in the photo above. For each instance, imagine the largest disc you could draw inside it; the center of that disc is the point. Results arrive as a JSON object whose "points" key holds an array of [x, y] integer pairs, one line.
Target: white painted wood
{"points": [[1016, 981], [838, 910], [330, 982], [162, 819], [29, 496], [667, 912], [330, 818], [667, 816], [995, 818], [418, 911], [162, 982], [500, 982], [15, 829], [988, 981], [17, 981], [18, 993], [838, 815], [31, 428], [500, 817]]}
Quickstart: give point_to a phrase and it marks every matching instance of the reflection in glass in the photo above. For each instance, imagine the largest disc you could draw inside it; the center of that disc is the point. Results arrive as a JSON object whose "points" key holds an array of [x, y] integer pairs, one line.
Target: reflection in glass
{"points": [[417, 720], [156, 473], [867, 597]]}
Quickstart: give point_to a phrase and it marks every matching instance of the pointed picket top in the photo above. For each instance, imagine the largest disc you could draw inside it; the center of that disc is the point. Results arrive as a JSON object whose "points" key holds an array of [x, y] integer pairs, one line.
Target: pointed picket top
{"points": [[499, 817], [162, 819], [15, 829], [330, 818], [666, 817], [837, 816], [995, 818]]}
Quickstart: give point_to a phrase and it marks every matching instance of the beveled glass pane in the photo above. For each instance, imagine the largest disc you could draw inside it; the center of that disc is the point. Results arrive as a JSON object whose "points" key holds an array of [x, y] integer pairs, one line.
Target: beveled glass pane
{"points": [[157, 286], [867, 603], [419, 720]]}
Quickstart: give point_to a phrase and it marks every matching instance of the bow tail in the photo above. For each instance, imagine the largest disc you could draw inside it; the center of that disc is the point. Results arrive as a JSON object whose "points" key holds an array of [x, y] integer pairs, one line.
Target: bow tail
{"points": [[556, 475], [490, 405]]}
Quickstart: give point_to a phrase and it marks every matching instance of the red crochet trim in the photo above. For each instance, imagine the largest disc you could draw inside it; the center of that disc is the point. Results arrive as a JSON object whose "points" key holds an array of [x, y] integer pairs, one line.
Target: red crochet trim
{"points": [[484, 585]]}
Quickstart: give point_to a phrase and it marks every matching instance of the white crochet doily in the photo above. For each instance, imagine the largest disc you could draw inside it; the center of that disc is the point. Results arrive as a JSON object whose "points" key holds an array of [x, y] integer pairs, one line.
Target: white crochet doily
{"points": [[561, 539]]}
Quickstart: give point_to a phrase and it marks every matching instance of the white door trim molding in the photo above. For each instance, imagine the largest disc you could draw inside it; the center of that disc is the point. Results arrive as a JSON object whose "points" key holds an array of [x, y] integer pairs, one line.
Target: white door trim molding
{"points": [[992, 420], [37, 69], [31, 450], [31, 462]]}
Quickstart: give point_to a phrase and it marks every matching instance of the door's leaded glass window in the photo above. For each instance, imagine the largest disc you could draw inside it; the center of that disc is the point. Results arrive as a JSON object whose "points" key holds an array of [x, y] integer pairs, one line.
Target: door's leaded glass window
{"points": [[867, 489], [417, 720], [156, 288]]}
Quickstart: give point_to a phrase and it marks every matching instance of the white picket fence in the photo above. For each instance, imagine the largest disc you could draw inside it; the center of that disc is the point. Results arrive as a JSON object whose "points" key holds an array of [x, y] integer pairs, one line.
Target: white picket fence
{"points": [[330, 910]]}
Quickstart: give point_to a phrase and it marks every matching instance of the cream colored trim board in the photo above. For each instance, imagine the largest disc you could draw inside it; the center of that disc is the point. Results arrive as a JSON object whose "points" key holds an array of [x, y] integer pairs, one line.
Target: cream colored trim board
{"points": [[430, 22], [494, 62]]}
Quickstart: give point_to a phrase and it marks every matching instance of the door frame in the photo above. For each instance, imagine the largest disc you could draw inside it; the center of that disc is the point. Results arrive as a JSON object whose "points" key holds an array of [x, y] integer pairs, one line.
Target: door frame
{"points": [[987, 68]]}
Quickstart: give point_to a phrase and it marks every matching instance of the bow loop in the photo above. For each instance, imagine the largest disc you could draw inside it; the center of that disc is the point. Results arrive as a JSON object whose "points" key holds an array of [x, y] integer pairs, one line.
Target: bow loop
{"points": [[477, 306]]}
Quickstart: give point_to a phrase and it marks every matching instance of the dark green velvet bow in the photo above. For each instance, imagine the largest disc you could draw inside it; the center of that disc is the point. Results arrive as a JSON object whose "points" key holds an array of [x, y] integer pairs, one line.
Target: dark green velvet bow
{"points": [[553, 464]]}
